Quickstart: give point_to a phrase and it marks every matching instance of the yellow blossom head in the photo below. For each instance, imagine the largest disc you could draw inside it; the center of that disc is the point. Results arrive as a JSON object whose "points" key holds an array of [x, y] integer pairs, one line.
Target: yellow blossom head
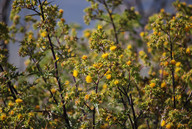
{"points": [[99, 27], [152, 85], [116, 82], [60, 10], [89, 79], [67, 82], [113, 48], [87, 34], [178, 64], [188, 51], [104, 86], [11, 104], [163, 85], [53, 90], [18, 100], [105, 55], [173, 62], [19, 116], [86, 97], [44, 34], [142, 34], [108, 76], [129, 47], [84, 57], [3, 116], [128, 63], [163, 123], [168, 126], [75, 73]]}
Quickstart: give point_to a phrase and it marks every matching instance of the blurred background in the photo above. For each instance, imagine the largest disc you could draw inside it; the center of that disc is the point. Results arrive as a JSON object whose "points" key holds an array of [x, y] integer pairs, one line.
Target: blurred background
{"points": [[73, 13]]}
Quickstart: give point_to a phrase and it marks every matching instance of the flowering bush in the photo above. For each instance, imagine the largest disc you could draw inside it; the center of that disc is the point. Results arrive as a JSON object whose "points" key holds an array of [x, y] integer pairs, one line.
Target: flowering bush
{"points": [[69, 84]]}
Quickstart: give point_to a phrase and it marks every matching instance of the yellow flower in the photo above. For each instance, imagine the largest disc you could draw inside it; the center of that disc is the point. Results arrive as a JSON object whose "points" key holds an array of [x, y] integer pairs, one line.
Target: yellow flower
{"points": [[179, 125], [178, 64], [141, 53], [37, 107], [177, 70], [62, 20], [31, 114], [11, 104], [67, 82], [3, 116], [153, 74], [188, 51], [60, 10], [18, 100], [99, 27], [53, 90], [113, 48], [104, 86], [75, 73], [105, 55], [155, 33], [152, 85], [44, 34], [108, 117], [87, 34], [89, 79], [56, 57], [166, 63], [11, 112], [184, 3], [30, 36], [162, 10], [142, 34], [86, 97], [163, 85], [116, 82], [163, 123], [108, 76], [128, 63], [84, 57], [129, 47], [173, 62], [27, 62], [19, 116], [168, 126]]}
